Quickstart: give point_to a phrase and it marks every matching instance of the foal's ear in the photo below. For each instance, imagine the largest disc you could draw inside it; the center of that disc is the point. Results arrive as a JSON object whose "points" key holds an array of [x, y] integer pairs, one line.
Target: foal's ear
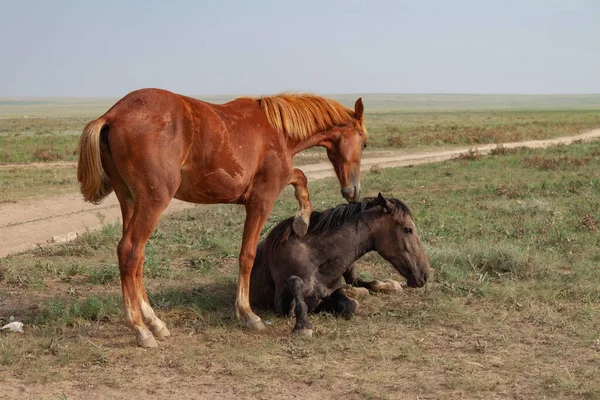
{"points": [[359, 108], [385, 204]]}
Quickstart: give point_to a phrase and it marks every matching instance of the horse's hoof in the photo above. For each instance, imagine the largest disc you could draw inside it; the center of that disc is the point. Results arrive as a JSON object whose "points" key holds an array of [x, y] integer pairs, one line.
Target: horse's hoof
{"points": [[300, 225], [357, 292], [256, 325], [394, 286], [303, 333], [148, 342], [163, 333]]}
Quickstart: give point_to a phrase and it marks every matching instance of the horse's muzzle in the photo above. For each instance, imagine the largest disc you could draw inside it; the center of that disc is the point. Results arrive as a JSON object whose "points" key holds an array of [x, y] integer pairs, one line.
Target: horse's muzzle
{"points": [[416, 281], [351, 192]]}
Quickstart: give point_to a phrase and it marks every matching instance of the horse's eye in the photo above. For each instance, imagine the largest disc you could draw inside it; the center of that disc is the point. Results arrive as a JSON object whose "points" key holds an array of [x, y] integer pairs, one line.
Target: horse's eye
{"points": [[408, 231], [364, 145]]}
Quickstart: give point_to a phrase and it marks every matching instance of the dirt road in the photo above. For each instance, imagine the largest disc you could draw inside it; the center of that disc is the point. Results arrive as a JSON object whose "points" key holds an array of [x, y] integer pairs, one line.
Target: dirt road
{"points": [[30, 223]]}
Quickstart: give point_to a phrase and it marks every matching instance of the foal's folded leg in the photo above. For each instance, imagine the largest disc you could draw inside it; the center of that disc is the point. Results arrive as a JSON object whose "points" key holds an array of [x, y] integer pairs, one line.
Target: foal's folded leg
{"points": [[386, 286], [338, 304], [302, 218], [303, 327]]}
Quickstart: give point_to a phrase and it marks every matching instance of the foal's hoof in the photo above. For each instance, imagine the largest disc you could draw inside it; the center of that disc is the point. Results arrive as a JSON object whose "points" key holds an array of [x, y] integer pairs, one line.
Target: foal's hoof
{"points": [[163, 333], [300, 225], [393, 286], [387, 286], [357, 292], [148, 342], [303, 333]]}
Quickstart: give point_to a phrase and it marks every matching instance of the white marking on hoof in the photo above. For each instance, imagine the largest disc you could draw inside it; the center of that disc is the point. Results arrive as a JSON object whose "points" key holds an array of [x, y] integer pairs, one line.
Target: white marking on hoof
{"points": [[303, 333], [163, 333], [256, 325], [152, 321], [253, 321], [394, 286], [147, 342], [357, 292]]}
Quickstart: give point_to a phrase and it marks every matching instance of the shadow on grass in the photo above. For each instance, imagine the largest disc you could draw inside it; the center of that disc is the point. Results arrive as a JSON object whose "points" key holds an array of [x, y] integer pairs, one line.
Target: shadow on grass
{"points": [[211, 297]]}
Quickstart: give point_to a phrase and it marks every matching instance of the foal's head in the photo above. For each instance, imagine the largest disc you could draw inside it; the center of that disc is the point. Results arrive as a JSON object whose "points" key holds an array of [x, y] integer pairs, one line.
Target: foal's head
{"points": [[396, 239]]}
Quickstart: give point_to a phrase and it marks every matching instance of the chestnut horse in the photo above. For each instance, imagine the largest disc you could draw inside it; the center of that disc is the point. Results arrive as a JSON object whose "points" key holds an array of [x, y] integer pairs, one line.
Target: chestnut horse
{"points": [[153, 145]]}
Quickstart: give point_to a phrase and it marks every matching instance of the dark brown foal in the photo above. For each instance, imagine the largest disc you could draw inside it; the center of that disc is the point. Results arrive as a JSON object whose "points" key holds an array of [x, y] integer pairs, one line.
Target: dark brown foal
{"points": [[297, 275]]}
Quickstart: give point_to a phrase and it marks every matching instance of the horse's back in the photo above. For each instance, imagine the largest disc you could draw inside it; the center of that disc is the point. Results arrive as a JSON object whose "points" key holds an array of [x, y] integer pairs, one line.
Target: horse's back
{"points": [[154, 115]]}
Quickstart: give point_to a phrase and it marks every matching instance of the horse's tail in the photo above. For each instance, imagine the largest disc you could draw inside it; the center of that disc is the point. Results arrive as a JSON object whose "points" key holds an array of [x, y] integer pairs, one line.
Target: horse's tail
{"points": [[93, 181]]}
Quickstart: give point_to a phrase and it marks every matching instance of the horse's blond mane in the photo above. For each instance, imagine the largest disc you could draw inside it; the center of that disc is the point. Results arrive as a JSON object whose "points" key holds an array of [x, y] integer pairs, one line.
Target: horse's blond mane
{"points": [[300, 116]]}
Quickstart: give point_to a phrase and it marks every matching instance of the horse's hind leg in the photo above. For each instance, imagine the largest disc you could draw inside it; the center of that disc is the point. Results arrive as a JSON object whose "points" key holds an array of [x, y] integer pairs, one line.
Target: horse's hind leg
{"points": [[338, 304], [302, 218], [138, 312], [137, 228], [303, 327]]}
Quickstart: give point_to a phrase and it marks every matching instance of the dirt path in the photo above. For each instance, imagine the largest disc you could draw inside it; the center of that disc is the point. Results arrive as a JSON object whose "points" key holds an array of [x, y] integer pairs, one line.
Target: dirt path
{"points": [[30, 223], [39, 165]]}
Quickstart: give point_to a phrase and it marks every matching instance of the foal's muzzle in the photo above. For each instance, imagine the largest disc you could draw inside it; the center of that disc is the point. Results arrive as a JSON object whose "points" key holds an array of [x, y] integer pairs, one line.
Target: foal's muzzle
{"points": [[415, 281]]}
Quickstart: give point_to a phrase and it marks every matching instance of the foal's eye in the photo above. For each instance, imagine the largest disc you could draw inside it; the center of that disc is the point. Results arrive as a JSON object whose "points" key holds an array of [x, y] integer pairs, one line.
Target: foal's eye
{"points": [[408, 231], [364, 145]]}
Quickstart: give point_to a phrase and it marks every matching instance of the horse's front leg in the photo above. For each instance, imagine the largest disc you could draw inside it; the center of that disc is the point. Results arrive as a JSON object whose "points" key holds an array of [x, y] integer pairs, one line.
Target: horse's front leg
{"points": [[257, 212], [303, 327], [302, 218], [387, 286]]}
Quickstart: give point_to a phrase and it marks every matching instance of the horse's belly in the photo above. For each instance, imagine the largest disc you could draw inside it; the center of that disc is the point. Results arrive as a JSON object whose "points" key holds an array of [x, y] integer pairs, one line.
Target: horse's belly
{"points": [[217, 186]]}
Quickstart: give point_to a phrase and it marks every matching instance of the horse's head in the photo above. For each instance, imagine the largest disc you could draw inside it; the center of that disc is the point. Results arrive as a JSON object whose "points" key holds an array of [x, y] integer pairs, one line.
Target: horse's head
{"points": [[345, 144], [397, 240]]}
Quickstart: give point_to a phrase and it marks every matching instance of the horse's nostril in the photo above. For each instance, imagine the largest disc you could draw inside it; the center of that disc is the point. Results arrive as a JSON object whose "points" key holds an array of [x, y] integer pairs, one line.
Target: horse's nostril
{"points": [[348, 192], [425, 276]]}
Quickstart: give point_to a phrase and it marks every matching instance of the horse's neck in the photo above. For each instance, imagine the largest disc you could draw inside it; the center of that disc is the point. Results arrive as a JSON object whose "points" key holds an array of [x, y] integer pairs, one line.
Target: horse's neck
{"points": [[364, 235], [340, 249], [358, 235], [306, 143]]}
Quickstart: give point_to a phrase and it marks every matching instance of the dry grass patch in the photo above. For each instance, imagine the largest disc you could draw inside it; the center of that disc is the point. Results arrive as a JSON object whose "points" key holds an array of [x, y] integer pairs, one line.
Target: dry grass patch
{"points": [[511, 310]]}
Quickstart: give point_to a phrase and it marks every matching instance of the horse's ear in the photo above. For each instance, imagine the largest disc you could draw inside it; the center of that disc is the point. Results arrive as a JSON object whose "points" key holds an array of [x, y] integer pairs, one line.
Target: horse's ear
{"points": [[359, 108], [385, 204]]}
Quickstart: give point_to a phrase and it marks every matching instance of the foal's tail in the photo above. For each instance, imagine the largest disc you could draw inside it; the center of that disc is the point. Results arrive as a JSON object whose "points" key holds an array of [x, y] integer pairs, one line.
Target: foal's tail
{"points": [[93, 181]]}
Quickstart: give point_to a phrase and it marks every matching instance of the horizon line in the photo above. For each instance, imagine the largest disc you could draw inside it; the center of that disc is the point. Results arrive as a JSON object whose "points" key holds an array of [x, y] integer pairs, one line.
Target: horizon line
{"points": [[318, 93]]}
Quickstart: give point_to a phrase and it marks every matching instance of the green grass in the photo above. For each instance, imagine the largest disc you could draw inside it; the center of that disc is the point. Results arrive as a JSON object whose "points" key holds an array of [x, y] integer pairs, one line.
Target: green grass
{"points": [[90, 309], [20, 183], [512, 310], [42, 130], [43, 148], [40, 139], [403, 131], [397, 129]]}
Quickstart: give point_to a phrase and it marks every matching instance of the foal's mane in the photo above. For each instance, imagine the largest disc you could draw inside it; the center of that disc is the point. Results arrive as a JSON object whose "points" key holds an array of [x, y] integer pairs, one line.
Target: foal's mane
{"points": [[330, 220], [300, 115]]}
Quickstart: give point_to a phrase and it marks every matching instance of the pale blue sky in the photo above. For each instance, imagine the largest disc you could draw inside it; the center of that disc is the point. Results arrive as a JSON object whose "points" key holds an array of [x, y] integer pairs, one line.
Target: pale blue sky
{"points": [[108, 48]]}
